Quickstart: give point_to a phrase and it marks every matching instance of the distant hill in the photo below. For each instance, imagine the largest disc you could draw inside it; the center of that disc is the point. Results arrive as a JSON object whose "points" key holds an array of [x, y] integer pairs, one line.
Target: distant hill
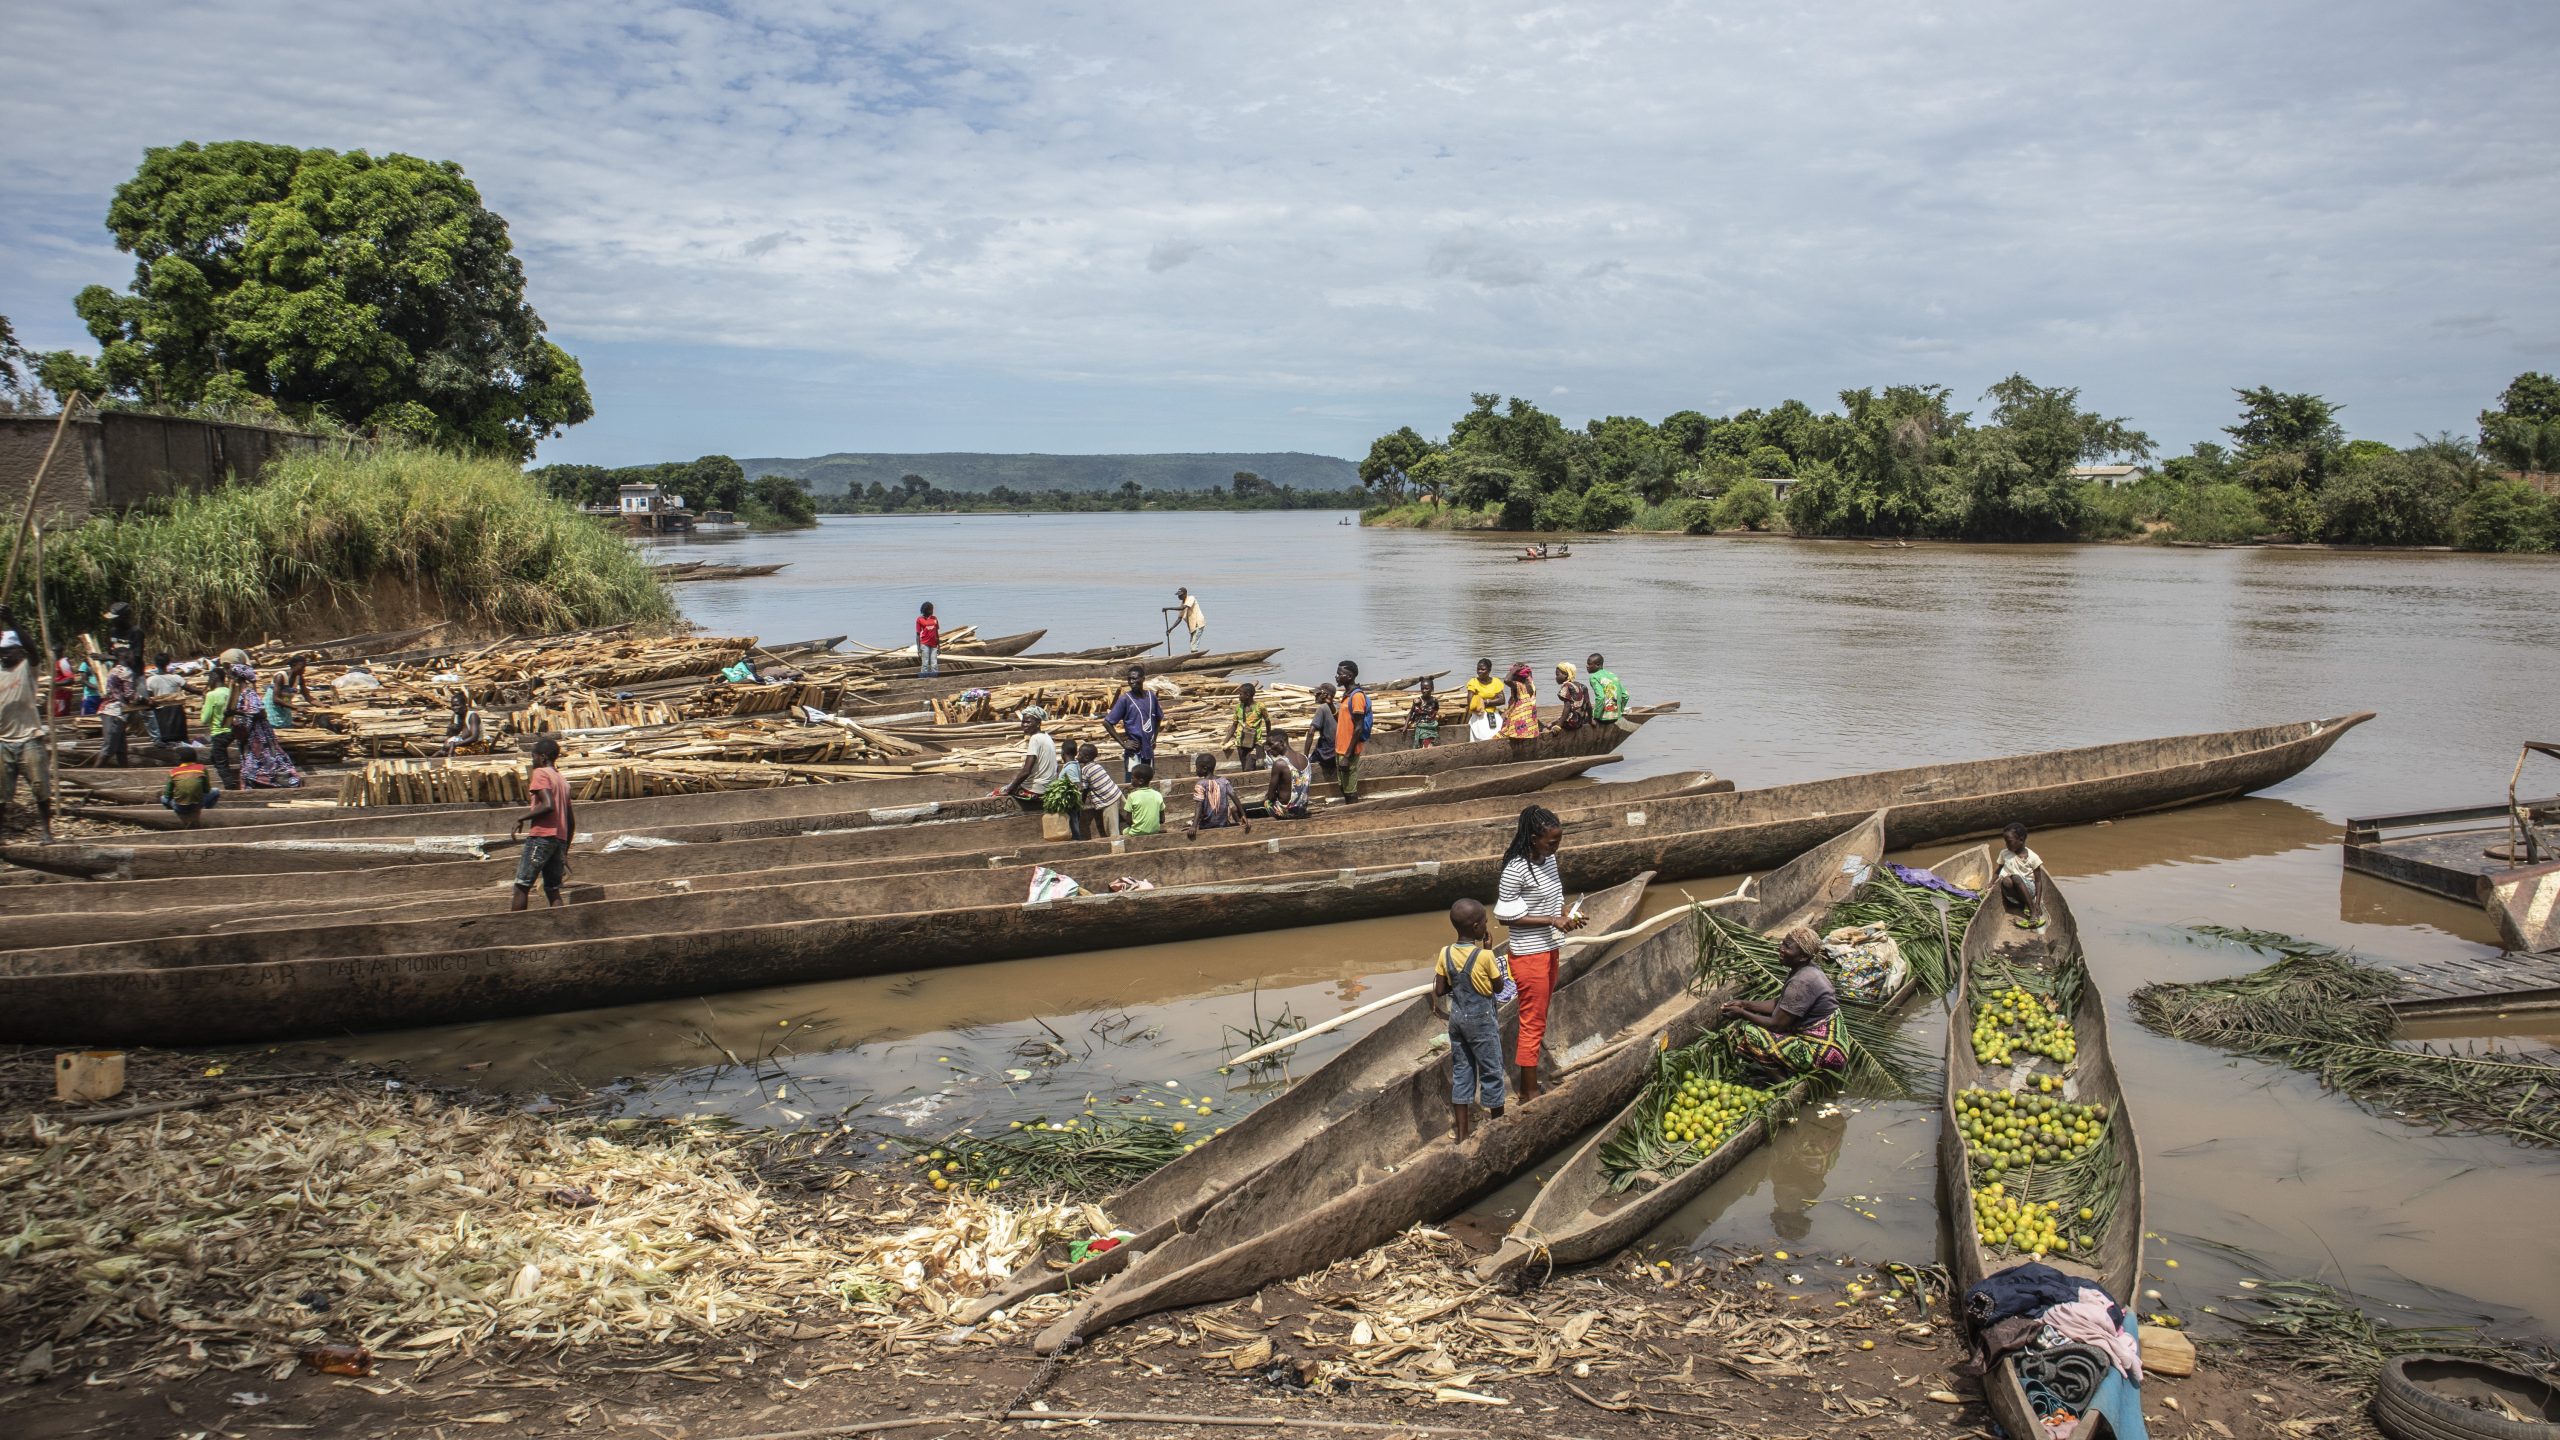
{"points": [[834, 474]]}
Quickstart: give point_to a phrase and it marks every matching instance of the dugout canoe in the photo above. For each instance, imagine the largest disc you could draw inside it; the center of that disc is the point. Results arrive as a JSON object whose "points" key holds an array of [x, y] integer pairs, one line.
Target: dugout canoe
{"points": [[53, 915], [2115, 1265], [1155, 1207], [751, 934], [1387, 757], [1680, 836], [920, 827], [1388, 1162], [895, 696], [1577, 1216]]}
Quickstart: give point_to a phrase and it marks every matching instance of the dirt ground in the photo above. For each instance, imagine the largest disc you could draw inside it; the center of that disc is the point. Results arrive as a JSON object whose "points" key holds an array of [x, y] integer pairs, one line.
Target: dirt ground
{"points": [[1395, 1341]]}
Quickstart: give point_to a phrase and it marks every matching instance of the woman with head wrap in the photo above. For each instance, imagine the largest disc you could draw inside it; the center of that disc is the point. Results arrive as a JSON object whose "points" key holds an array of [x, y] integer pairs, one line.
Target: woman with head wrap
{"points": [[263, 763], [1796, 1033], [1574, 696], [1520, 710]]}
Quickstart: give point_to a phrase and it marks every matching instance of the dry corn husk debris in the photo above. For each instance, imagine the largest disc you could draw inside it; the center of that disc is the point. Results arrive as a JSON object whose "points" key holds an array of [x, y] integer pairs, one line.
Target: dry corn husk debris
{"points": [[235, 1236]]}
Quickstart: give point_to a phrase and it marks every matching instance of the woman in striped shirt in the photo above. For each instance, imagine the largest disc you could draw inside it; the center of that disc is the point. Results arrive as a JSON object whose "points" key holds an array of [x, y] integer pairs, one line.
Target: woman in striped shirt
{"points": [[1530, 900]]}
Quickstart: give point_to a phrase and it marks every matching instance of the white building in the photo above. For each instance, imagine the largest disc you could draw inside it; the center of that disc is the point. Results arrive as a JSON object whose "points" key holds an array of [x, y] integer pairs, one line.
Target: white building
{"points": [[2112, 476]]}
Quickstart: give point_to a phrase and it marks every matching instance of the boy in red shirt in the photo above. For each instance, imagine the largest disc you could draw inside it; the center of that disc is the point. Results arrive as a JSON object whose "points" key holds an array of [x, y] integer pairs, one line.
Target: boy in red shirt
{"points": [[546, 850], [928, 641]]}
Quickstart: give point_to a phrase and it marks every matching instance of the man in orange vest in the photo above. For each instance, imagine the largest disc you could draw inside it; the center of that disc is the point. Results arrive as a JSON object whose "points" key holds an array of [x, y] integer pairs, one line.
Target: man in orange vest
{"points": [[1351, 724]]}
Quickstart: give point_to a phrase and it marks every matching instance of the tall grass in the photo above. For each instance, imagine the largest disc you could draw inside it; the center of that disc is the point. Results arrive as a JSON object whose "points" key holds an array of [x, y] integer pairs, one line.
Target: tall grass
{"points": [[308, 543]]}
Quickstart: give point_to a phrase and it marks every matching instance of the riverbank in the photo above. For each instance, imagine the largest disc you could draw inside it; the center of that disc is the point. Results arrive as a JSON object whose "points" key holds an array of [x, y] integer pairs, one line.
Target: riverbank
{"points": [[328, 544], [553, 1269]]}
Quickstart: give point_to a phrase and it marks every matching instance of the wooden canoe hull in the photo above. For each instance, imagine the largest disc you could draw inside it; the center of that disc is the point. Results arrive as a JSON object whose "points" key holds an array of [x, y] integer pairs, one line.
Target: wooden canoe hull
{"points": [[1390, 1163], [2117, 1267], [1576, 1218], [1595, 739], [412, 893], [914, 694], [1155, 1206], [781, 933]]}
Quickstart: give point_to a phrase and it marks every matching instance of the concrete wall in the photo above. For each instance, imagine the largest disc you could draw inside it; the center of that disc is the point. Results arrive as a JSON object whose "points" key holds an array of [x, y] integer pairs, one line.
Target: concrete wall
{"points": [[65, 498], [115, 460]]}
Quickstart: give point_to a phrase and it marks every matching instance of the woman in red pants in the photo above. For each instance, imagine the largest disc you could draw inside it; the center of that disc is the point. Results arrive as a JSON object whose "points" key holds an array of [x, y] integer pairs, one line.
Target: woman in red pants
{"points": [[1530, 901]]}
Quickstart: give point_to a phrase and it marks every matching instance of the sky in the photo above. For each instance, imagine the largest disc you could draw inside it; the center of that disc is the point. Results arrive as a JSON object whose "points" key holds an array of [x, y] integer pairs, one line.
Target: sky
{"points": [[787, 229]]}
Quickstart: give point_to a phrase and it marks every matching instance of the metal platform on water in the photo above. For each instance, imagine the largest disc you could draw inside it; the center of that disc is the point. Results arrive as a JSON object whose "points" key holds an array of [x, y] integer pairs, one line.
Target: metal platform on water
{"points": [[2507, 870]]}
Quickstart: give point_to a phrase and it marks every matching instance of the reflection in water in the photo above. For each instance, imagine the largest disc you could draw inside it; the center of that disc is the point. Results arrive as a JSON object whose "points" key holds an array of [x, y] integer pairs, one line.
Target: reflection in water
{"points": [[1795, 660]]}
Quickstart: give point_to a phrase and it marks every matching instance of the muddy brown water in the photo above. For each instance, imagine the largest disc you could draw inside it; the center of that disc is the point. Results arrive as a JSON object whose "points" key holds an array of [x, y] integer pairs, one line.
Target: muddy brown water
{"points": [[1794, 660]]}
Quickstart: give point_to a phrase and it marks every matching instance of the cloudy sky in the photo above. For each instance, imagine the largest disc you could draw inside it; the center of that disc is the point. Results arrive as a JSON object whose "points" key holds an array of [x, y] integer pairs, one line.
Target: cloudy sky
{"points": [[791, 228]]}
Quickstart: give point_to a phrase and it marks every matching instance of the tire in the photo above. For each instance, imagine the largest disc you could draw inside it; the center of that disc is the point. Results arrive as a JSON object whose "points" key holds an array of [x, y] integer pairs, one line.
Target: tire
{"points": [[2407, 1409]]}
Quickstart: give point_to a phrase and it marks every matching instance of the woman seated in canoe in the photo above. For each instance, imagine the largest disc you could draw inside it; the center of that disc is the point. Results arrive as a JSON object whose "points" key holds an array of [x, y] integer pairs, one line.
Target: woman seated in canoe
{"points": [[1797, 1032], [1574, 696]]}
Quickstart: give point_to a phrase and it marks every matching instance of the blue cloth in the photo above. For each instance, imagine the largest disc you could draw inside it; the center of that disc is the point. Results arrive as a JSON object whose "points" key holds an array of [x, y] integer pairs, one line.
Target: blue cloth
{"points": [[1475, 1050], [1927, 880], [2119, 1403], [2027, 1289]]}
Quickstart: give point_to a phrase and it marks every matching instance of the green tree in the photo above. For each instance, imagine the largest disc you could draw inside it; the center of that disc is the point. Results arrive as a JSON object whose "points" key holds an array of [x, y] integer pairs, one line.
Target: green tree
{"points": [[783, 496], [2391, 499], [332, 287], [1886, 455], [1749, 505], [1686, 432], [1606, 506], [2523, 433], [2508, 516], [577, 484], [714, 482], [2221, 513], [2013, 477], [1629, 453], [2206, 464], [2286, 441], [1389, 466], [1768, 462]]}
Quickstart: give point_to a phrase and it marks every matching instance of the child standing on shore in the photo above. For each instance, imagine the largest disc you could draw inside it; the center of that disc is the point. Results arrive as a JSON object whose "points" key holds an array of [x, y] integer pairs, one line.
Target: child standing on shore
{"points": [[1474, 981], [928, 642]]}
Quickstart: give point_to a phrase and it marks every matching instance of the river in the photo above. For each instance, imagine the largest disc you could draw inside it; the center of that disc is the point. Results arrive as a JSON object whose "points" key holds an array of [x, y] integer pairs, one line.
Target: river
{"points": [[1793, 660]]}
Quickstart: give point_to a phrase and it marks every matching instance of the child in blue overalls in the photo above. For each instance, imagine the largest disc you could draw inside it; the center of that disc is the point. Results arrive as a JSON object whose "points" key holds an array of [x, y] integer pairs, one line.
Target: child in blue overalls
{"points": [[1475, 980]]}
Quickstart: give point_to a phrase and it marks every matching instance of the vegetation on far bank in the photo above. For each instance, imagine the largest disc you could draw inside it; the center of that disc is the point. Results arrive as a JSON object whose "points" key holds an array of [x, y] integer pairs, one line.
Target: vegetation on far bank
{"points": [[714, 482], [913, 494], [1904, 462], [328, 541]]}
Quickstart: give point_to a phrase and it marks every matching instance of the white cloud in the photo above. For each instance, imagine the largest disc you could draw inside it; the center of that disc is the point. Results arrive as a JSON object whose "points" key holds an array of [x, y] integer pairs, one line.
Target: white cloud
{"points": [[1191, 226]]}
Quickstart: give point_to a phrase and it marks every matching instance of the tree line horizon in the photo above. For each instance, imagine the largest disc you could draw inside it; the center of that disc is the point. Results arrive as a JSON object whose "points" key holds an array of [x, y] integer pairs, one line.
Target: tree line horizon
{"points": [[1902, 462]]}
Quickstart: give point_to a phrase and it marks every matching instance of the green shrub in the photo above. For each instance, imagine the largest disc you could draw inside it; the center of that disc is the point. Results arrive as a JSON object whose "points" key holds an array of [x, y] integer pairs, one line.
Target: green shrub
{"points": [[1698, 516], [248, 560], [1750, 505], [2387, 500], [2508, 516], [1557, 510], [2217, 513], [1607, 506]]}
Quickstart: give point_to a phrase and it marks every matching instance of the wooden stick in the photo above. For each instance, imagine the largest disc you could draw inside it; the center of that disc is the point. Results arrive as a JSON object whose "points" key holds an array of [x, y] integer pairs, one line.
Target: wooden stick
{"points": [[44, 637], [1104, 1417], [101, 1117], [35, 487]]}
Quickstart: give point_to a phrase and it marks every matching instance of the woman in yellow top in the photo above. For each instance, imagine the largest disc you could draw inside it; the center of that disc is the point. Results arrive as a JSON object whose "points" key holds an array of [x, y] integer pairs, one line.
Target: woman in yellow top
{"points": [[1520, 717], [1484, 703]]}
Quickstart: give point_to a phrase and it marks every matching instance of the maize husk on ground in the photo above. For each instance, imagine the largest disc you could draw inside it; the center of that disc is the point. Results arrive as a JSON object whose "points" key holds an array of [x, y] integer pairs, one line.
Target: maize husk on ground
{"points": [[235, 1236]]}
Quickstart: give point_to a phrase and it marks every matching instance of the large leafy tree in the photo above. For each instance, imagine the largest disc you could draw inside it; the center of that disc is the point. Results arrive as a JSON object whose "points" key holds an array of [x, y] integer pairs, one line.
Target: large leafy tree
{"points": [[2286, 441], [2523, 433], [1882, 459], [1391, 459], [2014, 478], [375, 292]]}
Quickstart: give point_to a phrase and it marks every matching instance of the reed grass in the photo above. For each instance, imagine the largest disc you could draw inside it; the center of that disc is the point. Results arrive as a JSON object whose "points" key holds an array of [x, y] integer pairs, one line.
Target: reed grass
{"points": [[2323, 1331], [321, 530], [2323, 1011]]}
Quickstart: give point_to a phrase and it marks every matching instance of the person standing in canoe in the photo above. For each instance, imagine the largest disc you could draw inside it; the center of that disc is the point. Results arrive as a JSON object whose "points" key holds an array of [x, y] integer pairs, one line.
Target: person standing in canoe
{"points": [[1529, 900], [1795, 1033], [1102, 796], [554, 825], [1574, 696], [1608, 696], [1520, 710], [1484, 703], [1142, 804], [1352, 724], [1472, 980], [1134, 720], [2021, 878], [928, 642], [167, 695], [1423, 718], [1320, 732], [1251, 728], [1186, 612], [1213, 798]]}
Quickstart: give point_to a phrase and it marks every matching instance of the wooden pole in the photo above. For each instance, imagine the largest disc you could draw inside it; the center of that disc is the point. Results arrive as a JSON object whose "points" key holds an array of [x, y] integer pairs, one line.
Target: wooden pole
{"points": [[44, 637], [27, 515]]}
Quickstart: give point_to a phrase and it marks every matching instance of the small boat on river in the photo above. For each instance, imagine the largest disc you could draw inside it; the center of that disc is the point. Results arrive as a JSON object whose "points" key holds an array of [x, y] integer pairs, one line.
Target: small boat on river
{"points": [[1582, 1214], [2047, 962], [1153, 1208], [1388, 1161]]}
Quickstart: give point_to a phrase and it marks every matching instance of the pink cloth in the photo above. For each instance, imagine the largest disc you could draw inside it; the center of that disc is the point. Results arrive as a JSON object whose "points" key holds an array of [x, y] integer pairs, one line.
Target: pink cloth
{"points": [[2086, 1319]]}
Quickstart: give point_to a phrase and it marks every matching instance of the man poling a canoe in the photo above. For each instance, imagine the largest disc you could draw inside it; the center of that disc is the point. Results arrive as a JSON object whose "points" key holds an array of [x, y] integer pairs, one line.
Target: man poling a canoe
{"points": [[1469, 984], [1794, 1033], [1530, 902], [1186, 614], [2022, 882]]}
